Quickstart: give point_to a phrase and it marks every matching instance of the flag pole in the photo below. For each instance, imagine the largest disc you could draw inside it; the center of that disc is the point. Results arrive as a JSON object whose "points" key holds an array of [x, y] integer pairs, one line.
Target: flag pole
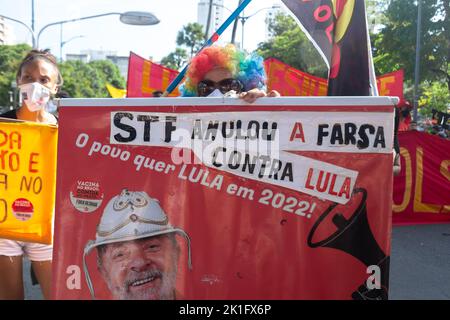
{"points": [[372, 75], [417, 63], [208, 43]]}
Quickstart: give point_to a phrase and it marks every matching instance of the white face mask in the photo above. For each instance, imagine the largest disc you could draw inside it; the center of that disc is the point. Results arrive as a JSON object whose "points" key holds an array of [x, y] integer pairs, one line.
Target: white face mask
{"points": [[215, 94], [218, 94], [35, 95]]}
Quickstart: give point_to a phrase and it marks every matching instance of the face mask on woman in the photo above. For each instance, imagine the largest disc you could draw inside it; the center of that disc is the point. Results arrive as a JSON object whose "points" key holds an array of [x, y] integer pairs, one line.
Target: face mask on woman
{"points": [[217, 94], [35, 95]]}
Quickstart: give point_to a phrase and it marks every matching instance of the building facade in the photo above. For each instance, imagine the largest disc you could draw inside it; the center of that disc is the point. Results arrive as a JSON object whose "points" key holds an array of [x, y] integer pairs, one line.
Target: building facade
{"points": [[6, 33], [217, 15], [121, 62]]}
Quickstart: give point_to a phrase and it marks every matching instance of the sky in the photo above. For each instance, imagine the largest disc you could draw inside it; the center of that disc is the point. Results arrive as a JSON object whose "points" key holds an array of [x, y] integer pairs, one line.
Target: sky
{"points": [[108, 33]]}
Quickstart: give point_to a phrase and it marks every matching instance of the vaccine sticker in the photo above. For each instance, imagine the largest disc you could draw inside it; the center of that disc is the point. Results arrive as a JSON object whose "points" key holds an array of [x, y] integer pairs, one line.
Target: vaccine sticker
{"points": [[86, 196], [22, 209]]}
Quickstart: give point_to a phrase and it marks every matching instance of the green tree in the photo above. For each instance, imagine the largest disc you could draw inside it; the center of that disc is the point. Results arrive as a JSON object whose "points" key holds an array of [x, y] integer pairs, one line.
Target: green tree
{"points": [[394, 47], [290, 45], [375, 10], [191, 36], [435, 95], [88, 80], [10, 58], [175, 60]]}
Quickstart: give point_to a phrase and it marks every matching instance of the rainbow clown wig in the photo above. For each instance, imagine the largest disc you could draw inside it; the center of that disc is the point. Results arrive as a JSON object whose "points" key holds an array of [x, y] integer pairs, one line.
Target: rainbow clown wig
{"points": [[248, 69]]}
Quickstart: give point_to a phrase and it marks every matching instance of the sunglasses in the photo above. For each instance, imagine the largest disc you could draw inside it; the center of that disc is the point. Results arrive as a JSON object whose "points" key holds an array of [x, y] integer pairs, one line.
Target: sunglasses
{"points": [[205, 87]]}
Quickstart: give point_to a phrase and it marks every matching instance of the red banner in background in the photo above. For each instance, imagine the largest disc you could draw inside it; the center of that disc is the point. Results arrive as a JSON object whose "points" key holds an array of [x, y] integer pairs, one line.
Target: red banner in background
{"points": [[145, 77], [391, 84], [289, 81], [422, 190]]}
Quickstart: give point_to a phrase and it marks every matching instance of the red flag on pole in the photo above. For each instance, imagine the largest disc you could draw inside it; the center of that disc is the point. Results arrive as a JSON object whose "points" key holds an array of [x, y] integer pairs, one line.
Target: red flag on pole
{"points": [[146, 77]]}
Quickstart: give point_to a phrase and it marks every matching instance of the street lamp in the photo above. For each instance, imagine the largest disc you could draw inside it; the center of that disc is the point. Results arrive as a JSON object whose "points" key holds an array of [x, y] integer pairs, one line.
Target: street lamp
{"points": [[62, 43], [139, 18], [33, 37], [14, 90], [136, 18], [244, 19]]}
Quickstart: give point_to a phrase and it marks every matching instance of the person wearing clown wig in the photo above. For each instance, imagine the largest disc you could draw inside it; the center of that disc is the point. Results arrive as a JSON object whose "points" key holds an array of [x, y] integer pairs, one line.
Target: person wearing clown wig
{"points": [[218, 71]]}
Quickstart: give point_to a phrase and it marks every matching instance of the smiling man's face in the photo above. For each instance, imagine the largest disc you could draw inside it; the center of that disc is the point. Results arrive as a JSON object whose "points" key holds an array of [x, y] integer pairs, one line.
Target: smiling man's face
{"points": [[144, 269]]}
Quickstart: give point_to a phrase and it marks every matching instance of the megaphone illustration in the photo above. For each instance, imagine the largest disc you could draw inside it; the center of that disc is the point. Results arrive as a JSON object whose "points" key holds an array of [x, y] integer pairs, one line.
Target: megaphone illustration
{"points": [[355, 237]]}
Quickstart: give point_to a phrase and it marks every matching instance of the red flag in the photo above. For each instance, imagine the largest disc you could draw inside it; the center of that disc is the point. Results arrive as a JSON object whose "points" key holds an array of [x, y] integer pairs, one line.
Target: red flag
{"points": [[146, 77], [391, 84]]}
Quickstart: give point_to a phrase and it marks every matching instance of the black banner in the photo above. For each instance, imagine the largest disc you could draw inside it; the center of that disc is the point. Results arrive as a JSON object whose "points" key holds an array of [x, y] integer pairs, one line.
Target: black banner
{"points": [[338, 29]]}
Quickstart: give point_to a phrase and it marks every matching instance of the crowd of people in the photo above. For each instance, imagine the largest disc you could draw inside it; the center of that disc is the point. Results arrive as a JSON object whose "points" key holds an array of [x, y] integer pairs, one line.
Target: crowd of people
{"points": [[437, 124]]}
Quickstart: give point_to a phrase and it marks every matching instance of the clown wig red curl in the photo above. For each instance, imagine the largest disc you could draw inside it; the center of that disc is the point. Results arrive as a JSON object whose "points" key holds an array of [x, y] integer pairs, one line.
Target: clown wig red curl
{"points": [[249, 70]]}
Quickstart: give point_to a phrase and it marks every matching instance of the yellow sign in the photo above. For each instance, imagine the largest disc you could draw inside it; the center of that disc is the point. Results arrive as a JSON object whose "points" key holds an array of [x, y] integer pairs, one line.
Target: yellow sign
{"points": [[27, 180]]}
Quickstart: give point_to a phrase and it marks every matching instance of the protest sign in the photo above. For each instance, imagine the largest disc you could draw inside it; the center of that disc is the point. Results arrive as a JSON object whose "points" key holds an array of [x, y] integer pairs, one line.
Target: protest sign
{"points": [[188, 198], [27, 180]]}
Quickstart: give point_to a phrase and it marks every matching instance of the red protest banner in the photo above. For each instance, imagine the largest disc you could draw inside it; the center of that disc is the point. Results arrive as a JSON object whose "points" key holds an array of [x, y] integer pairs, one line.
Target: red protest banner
{"points": [[289, 81], [391, 84], [422, 190], [146, 77], [293, 82], [215, 199]]}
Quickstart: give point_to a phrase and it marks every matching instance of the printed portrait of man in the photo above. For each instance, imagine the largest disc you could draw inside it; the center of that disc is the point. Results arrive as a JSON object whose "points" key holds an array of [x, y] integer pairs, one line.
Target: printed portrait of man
{"points": [[137, 249]]}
